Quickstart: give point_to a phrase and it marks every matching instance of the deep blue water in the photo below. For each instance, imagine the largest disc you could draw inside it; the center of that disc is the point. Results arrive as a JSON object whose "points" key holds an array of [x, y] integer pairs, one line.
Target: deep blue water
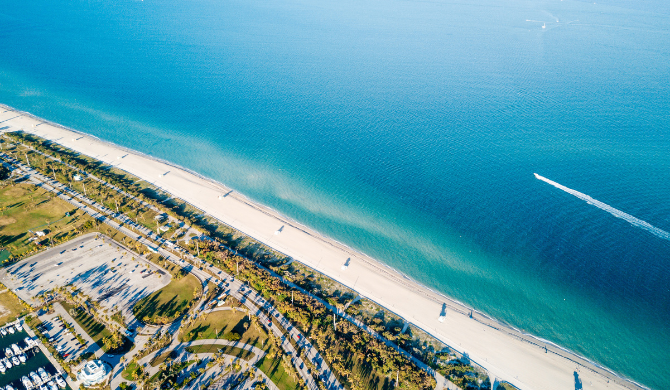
{"points": [[409, 130]]}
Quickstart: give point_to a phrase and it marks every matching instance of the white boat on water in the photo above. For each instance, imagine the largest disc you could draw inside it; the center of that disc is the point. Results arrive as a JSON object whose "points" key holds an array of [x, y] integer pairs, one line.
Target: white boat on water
{"points": [[26, 383], [2, 368], [16, 349], [30, 342], [3, 331], [8, 364], [10, 329], [8, 352], [19, 328], [43, 374], [35, 378], [15, 361], [9, 387], [23, 357], [61, 382], [52, 385]]}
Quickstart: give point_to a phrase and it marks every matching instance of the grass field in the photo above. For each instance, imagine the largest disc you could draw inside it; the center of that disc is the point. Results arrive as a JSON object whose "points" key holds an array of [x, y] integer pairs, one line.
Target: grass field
{"points": [[223, 324], [232, 351], [11, 307], [24, 207], [274, 369], [93, 328], [131, 370], [170, 302]]}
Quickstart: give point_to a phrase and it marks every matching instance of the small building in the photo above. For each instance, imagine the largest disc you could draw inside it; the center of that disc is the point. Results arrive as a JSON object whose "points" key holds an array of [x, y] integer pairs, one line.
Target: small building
{"points": [[77, 177], [93, 373]]}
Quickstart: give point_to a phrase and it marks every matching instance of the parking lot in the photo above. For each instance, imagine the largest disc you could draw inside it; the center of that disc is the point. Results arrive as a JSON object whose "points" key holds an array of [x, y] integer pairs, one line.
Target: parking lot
{"points": [[104, 270], [61, 338]]}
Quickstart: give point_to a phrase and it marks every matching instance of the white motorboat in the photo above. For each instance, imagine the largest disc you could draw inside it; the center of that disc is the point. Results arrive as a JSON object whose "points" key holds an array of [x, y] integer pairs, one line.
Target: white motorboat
{"points": [[8, 364], [23, 357], [61, 382], [52, 385], [15, 361], [9, 387], [3, 331], [35, 378], [16, 349], [2, 368], [19, 328], [8, 352], [10, 329], [26, 383], [43, 374]]}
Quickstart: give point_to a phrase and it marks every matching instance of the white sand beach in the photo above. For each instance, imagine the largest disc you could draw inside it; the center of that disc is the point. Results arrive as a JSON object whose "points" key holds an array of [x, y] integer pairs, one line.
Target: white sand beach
{"points": [[505, 353]]}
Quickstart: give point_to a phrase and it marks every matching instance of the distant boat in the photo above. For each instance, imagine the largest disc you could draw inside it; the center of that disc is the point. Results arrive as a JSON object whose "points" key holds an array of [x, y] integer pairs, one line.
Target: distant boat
{"points": [[16, 349], [8, 352], [544, 25], [19, 328], [23, 357], [2, 368], [8, 364], [3, 331], [15, 361], [10, 329]]}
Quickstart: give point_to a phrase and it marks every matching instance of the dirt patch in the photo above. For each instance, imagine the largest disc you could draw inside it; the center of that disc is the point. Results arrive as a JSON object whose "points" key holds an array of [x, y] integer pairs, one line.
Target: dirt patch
{"points": [[4, 221], [15, 192]]}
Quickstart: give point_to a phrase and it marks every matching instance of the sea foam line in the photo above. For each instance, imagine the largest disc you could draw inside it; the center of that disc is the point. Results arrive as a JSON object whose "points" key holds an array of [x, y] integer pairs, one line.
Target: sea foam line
{"points": [[603, 206]]}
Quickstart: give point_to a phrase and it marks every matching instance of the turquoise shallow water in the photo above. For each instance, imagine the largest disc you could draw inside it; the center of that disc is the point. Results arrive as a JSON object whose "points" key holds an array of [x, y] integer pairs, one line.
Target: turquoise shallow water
{"points": [[409, 130]]}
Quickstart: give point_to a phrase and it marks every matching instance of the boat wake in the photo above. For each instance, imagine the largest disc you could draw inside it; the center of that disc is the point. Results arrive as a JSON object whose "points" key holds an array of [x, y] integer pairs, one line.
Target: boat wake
{"points": [[603, 206]]}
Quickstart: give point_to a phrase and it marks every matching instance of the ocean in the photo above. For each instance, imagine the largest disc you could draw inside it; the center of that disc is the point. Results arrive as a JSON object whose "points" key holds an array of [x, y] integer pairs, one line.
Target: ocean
{"points": [[409, 130]]}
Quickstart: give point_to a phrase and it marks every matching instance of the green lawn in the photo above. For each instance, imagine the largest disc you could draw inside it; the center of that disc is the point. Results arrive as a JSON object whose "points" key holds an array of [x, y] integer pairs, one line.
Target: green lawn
{"points": [[132, 368], [170, 302], [11, 307], [24, 207], [224, 324], [93, 328], [274, 369], [213, 348]]}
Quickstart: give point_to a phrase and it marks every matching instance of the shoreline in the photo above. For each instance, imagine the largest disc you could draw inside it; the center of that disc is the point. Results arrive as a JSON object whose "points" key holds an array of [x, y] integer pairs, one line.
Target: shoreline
{"points": [[506, 353]]}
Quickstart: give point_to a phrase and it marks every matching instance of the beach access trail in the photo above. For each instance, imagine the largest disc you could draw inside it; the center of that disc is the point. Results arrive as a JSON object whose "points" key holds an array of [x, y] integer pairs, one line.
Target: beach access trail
{"points": [[507, 354]]}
